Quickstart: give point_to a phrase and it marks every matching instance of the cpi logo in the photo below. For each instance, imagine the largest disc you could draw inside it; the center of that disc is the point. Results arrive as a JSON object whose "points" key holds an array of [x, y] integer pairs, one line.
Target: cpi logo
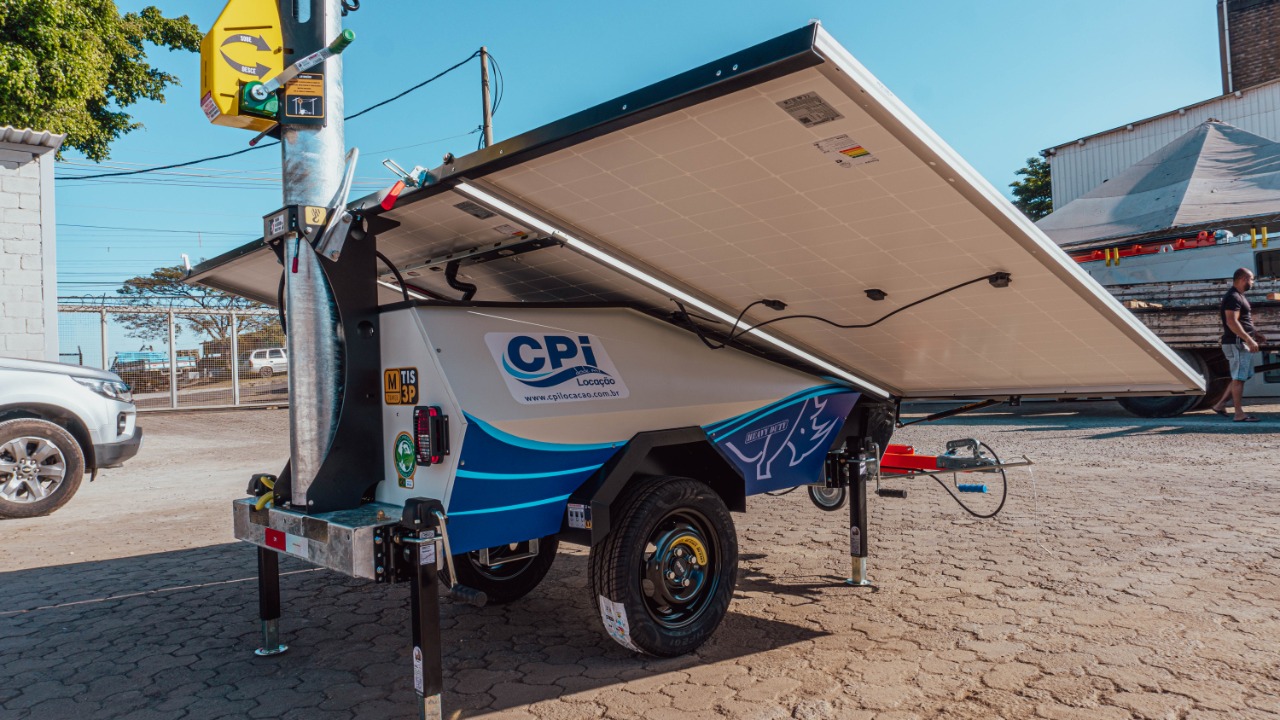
{"points": [[551, 359], [555, 368]]}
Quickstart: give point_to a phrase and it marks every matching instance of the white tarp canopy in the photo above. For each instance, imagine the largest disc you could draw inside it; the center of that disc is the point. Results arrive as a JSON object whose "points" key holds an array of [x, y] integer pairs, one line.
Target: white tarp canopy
{"points": [[1214, 173], [788, 172]]}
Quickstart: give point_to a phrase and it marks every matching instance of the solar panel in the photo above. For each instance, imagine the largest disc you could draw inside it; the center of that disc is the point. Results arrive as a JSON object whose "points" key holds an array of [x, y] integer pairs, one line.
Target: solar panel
{"points": [[787, 172]]}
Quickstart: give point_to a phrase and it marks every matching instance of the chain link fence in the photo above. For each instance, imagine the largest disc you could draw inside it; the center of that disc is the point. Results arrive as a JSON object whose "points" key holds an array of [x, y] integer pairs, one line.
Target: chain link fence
{"points": [[181, 357]]}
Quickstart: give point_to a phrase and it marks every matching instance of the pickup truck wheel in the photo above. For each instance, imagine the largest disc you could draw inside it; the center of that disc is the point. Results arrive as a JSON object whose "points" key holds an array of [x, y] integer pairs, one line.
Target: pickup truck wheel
{"points": [[664, 575], [505, 582], [41, 466]]}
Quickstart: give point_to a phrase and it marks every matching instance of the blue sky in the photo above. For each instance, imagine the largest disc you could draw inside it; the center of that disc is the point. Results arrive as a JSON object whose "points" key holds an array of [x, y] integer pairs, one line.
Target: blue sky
{"points": [[999, 80]]}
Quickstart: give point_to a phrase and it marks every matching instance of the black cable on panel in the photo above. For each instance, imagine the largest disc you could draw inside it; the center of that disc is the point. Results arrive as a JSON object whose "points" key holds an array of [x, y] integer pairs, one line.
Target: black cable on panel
{"points": [[997, 279]]}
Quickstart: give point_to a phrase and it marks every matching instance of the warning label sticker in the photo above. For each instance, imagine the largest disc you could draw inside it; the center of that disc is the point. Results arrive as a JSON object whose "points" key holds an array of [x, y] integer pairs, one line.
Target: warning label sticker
{"points": [[614, 616], [844, 151], [400, 386], [209, 107], [304, 98], [810, 110]]}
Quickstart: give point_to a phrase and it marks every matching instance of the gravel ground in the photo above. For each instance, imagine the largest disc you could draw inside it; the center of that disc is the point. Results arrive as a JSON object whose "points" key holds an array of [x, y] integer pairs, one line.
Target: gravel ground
{"points": [[1134, 575]]}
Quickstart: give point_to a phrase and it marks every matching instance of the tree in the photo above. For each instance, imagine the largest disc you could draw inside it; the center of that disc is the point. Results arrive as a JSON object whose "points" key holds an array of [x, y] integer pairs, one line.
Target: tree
{"points": [[164, 285], [72, 66], [1034, 195]]}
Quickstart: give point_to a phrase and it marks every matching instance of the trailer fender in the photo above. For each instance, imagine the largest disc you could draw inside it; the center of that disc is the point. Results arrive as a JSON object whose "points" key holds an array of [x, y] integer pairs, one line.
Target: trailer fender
{"points": [[680, 452]]}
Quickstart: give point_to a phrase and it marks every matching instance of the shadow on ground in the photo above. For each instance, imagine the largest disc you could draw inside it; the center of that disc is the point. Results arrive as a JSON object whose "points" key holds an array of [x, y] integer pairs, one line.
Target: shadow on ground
{"points": [[170, 636]]}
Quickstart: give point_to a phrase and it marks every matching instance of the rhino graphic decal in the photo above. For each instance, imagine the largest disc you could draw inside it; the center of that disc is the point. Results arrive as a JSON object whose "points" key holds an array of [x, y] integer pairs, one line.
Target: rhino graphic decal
{"points": [[799, 437]]}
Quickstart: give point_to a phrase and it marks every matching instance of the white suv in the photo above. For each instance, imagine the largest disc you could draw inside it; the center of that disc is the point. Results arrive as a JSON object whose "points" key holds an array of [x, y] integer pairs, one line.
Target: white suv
{"points": [[265, 363], [56, 422]]}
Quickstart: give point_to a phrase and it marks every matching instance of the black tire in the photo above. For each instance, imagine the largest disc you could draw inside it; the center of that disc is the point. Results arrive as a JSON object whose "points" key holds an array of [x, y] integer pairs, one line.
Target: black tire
{"points": [[828, 499], [265, 372], [1159, 407], [1217, 376], [20, 482], [505, 582], [642, 564], [1165, 406]]}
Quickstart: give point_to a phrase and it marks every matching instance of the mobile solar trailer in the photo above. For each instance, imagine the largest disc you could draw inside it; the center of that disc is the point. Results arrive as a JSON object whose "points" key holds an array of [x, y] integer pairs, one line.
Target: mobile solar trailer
{"points": [[784, 172]]}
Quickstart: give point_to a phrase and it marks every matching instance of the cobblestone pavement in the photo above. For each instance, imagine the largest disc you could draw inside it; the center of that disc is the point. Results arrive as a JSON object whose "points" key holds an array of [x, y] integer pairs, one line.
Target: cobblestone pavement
{"points": [[1136, 577]]}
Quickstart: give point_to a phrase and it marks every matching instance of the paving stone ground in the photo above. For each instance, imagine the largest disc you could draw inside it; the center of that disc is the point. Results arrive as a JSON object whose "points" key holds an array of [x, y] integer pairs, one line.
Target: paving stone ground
{"points": [[1138, 576]]}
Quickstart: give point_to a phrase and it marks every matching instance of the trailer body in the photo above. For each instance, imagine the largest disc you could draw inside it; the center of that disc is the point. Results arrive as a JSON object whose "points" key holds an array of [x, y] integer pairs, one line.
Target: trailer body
{"points": [[522, 442]]}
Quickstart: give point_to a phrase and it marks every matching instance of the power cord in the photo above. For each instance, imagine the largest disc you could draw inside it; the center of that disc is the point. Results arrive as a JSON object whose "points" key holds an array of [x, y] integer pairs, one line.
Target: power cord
{"points": [[687, 316], [997, 279]]}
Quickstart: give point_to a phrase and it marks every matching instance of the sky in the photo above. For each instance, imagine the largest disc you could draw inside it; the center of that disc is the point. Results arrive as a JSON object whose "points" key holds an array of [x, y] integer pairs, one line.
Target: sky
{"points": [[999, 80]]}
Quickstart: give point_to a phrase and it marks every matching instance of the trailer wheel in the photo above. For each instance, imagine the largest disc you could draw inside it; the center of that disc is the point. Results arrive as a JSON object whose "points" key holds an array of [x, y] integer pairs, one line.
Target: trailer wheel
{"points": [[1163, 406], [664, 576], [41, 466], [505, 582], [828, 499]]}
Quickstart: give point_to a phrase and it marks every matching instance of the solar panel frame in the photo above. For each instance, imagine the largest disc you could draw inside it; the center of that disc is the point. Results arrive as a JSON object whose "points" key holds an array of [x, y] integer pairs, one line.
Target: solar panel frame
{"points": [[543, 170]]}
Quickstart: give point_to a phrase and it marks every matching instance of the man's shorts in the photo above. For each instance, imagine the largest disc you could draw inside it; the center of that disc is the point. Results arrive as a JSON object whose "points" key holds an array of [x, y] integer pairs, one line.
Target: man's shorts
{"points": [[1240, 360]]}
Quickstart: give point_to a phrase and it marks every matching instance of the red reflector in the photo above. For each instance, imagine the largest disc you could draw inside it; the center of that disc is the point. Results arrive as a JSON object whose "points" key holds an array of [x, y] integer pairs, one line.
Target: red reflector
{"points": [[430, 434], [275, 539], [389, 200]]}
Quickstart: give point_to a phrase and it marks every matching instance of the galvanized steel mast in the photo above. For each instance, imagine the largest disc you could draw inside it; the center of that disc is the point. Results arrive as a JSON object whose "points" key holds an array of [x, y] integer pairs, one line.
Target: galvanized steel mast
{"points": [[312, 165]]}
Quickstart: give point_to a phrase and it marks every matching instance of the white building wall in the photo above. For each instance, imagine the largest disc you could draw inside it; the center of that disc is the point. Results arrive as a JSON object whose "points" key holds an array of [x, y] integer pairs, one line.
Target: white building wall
{"points": [[1080, 166], [28, 286]]}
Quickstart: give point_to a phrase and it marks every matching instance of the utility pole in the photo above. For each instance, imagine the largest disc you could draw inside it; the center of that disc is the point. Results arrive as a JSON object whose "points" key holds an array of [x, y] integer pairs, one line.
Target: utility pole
{"points": [[484, 90]]}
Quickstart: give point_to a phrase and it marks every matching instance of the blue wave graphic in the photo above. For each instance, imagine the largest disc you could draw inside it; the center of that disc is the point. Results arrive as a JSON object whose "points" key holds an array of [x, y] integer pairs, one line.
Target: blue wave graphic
{"points": [[520, 375], [565, 374]]}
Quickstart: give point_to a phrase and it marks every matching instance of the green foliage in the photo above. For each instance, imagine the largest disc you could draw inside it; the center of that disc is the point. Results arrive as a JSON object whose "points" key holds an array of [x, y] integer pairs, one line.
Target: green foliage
{"points": [[72, 66], [164, 286], [1034, 195]]}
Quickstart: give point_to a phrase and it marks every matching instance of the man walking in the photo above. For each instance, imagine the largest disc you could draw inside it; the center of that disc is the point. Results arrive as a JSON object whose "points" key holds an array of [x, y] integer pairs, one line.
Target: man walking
{"points": [[1239, 342]]}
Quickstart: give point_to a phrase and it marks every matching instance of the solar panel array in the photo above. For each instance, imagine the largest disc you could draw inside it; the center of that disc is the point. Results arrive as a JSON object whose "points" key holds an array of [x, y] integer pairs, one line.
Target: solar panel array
{"points": [[810, 188]]}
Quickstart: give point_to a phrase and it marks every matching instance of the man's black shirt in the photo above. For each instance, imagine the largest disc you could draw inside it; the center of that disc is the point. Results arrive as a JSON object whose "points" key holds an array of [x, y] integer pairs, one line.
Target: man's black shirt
{"points": [[1235, 300]]}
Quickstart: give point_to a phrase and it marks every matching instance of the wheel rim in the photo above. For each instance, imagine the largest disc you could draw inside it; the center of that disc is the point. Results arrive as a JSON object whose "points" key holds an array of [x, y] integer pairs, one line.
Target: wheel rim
{"points": [[31, 468], [679, 568], [499, 570], [827, 497]]}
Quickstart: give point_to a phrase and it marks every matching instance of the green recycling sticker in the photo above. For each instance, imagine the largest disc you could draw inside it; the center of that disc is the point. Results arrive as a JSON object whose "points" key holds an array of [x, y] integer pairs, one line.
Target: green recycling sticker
{"points": [[406, 459]]}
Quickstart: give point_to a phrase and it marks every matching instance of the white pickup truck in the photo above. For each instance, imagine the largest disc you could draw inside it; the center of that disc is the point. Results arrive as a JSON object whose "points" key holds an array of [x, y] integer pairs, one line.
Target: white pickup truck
{"points": [[56, 422]]}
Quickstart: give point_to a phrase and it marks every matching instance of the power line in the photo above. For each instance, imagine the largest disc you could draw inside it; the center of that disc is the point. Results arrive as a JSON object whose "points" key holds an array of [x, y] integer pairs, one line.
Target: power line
{"points": [[429, 80], [138, 229], [375, 106]]}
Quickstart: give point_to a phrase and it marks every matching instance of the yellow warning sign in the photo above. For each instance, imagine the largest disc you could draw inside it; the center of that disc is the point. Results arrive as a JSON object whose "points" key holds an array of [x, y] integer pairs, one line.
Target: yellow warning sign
{"points": [[313, 215], [306, 85], [304, 99], [243, 45], [400, 386]]}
